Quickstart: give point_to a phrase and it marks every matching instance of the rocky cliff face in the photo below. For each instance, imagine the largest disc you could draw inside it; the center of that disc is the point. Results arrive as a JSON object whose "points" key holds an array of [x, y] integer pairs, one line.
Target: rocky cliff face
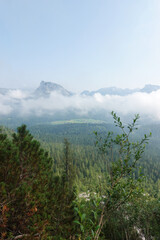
{"points": [[46, 88]]}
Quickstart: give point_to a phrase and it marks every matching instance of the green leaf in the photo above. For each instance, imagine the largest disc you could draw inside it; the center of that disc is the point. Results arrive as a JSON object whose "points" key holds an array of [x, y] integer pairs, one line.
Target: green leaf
{"points": [[76, 209], [83, 217], [92, 232], [82, 228], [77, 222], [97, 227]]}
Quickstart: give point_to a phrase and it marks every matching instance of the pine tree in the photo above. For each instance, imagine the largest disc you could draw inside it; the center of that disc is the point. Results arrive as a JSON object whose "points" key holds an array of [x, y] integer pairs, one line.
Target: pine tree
{"points": [[25, 183], [64, 197]]}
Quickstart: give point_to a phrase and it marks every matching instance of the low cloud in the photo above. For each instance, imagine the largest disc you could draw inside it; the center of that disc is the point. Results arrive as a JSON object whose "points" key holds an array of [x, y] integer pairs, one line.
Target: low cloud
{"points": [[142, 103], [5, 105], [17, 94]]}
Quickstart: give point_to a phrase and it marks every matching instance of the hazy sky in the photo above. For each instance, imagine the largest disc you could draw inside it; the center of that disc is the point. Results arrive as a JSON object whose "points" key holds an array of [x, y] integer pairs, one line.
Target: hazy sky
{"points": [[80, 44]]}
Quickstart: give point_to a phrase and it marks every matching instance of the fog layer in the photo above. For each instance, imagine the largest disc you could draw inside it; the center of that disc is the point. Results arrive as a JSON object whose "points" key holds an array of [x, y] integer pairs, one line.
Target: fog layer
{"points": [[142, 103]]}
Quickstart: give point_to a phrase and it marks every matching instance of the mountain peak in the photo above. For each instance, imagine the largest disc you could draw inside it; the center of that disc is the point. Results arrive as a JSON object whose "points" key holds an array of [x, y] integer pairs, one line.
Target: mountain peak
{"points": [[148, 88], [46, 88]]}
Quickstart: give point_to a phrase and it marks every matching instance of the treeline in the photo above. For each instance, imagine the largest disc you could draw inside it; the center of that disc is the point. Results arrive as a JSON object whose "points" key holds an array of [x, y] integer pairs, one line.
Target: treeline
{"points": [[41, 190]]}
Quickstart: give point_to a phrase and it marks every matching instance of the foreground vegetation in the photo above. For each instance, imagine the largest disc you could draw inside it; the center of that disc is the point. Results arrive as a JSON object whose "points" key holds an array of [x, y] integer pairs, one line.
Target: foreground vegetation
{"points": [[40, 196]]}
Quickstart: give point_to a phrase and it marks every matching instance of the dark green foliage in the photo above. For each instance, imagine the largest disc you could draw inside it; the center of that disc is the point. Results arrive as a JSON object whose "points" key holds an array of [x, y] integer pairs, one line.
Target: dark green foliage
{"points": [[122, 190], [31, 196], [25, 179], [82, 139], [121, 184], [64, 196], [39, 190]]}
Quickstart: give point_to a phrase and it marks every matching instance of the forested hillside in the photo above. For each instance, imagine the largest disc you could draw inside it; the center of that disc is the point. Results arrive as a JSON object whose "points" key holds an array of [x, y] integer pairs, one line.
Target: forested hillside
{"points": [[72, 183], [85, 154]]}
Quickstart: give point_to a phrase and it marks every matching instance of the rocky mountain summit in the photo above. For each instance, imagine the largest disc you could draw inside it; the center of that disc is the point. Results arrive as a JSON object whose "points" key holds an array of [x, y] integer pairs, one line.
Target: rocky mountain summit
{"points": [[46, 88]]}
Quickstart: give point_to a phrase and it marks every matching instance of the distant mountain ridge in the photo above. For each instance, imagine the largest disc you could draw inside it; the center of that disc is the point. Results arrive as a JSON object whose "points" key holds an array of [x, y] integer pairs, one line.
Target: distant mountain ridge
{"points": [[122, 92], [45, 89], [150, 88], [52, 102]]}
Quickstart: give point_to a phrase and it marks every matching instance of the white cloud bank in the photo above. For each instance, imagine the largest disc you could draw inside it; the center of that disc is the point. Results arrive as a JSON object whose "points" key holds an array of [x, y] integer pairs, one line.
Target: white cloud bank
{"points": [[142, 103]]}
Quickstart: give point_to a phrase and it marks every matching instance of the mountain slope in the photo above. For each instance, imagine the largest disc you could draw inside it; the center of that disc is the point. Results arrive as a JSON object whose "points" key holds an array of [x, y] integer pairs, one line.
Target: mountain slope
{"points": [[122, 92], [46, 88]]}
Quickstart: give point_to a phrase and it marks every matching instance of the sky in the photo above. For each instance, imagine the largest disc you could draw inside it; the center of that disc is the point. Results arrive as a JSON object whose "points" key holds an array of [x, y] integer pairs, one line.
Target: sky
{"points": [[81, 45]]}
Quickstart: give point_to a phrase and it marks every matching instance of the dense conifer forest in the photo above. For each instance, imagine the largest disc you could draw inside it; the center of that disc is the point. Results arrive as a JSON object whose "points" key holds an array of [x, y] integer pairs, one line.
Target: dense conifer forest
{"points": [[80, 181]]}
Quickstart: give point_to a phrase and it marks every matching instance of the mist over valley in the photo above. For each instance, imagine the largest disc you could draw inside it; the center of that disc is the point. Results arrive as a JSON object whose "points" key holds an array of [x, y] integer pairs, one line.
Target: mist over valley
{"points": [[52, 102]]}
